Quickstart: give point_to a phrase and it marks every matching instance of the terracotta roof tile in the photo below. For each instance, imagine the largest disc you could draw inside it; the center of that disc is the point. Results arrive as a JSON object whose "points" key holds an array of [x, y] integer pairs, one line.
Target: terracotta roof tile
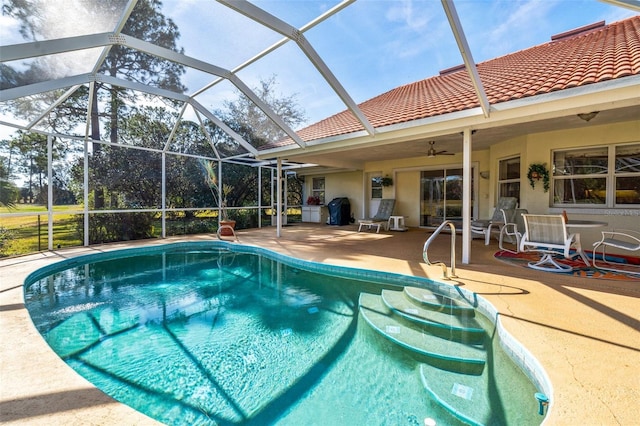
{"points": [[573, 60]]}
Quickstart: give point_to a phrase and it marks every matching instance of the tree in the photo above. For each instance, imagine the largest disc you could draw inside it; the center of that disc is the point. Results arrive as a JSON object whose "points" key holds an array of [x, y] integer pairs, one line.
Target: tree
{"points": [[184, 184], [146, 23], [245, 118], [27, 156], [8, 191]]}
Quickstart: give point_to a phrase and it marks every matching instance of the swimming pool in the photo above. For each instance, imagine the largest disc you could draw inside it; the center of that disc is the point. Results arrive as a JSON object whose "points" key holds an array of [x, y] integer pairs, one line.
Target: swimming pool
{"points": [[217, 333]]}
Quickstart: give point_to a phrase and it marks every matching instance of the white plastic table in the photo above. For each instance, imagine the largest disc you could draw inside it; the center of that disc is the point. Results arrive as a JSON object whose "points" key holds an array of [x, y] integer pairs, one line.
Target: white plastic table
{"points": [[396, 223], [585, 224]]}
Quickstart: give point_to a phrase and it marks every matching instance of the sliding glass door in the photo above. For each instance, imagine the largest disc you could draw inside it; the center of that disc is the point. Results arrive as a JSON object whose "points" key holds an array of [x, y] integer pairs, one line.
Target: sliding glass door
{"points": [[441, 196]]}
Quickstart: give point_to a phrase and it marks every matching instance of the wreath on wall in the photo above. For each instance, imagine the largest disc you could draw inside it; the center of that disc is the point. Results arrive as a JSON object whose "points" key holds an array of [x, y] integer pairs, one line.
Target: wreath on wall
{"points": [[536, 172]]}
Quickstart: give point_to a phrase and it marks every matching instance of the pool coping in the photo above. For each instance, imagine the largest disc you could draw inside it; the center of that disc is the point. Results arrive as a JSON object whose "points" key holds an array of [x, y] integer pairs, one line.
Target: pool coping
{"points": [[584, 331], [518, 353]]}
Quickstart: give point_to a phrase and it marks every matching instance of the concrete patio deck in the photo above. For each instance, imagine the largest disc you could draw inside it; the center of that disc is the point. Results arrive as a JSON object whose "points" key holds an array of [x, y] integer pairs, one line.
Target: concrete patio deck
{"points": [[585, 332]]}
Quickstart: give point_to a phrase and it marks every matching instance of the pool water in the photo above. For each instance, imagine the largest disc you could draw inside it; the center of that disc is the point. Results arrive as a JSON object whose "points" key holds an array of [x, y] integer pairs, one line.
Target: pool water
{"points": [[211, 336]]}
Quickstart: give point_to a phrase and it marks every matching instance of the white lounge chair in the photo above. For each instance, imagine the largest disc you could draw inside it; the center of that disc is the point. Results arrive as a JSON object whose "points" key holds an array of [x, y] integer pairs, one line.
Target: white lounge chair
{"points": [[547, 234], [484, 227], [513, 228], [627, 240], [381, 218]]}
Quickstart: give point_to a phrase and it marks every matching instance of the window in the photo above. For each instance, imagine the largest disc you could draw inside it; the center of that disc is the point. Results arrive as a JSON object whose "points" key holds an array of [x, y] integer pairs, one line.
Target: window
{"points": [[317, 189], [509, 178], [608, 176], [627, 174], [376, 187]]}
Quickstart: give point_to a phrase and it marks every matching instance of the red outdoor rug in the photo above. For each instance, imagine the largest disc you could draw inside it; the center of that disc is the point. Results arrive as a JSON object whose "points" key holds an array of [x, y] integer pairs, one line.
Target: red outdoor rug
{"points": [[623, 263]]}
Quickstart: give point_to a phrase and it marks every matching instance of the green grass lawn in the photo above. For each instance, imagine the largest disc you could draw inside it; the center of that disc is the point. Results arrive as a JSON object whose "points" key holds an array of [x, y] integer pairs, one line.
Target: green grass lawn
{"points": [[29, 233]]}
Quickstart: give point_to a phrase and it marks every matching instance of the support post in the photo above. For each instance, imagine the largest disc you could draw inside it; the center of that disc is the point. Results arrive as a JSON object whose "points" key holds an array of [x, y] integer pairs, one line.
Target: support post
{"points": [[86, 192], [164, 195], [279, 198], [49, 192], [466, 196]]}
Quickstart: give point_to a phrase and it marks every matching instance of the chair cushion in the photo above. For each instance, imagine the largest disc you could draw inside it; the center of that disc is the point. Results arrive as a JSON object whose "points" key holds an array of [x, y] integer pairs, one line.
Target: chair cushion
{"points": [[480, 223], [626, 245]]}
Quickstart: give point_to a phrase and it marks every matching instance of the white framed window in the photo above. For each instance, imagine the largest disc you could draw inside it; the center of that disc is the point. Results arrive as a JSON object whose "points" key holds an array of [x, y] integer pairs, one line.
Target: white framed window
{"points": [[509, 178], [317, 188], [376, 187], [607, 176]]}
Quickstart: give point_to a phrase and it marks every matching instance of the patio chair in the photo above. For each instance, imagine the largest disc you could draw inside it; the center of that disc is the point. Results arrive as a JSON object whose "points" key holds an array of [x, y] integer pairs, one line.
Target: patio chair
{"points": [[381, 218], [513, 228], [548, 234], [627, 240], [484, 227]]}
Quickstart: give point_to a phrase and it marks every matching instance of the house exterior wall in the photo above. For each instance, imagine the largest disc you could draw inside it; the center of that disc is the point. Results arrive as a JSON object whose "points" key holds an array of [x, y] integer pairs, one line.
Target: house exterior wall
{"points": [[539, 147], [350, 185], [532, 148], [502, 151]]}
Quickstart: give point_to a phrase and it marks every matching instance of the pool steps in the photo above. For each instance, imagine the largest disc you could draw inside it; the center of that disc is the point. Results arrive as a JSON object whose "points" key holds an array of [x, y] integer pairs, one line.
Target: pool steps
{"points": [[445, 337], [447, 354], [439, 322], [438, 302]]}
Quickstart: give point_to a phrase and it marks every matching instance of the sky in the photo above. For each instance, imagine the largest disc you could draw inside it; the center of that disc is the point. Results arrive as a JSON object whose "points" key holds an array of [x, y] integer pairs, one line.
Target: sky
{"points": [[370, 46], [373, 46]]}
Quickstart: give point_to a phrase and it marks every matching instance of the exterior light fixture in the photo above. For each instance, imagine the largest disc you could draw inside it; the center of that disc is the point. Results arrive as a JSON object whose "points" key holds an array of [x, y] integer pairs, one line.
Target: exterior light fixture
{"points": [[588, 116]]}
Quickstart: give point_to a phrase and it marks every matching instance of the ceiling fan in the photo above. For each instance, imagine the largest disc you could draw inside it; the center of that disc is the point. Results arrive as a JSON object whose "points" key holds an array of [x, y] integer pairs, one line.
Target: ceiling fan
{"points": [[432, 150]]}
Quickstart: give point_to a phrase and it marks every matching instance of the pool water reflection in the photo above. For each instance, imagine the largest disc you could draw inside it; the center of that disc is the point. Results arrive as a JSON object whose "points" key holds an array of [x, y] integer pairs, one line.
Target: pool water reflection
{"points": [[199, 334]]}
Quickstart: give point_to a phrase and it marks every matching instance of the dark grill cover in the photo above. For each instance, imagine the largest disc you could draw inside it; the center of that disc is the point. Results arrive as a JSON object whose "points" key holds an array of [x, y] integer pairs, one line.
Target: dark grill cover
{"points": [[339, 211]]}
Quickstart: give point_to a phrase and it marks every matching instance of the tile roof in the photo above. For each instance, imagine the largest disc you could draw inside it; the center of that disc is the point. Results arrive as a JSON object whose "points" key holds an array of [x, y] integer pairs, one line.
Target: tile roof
{"points": [[588, 55]]}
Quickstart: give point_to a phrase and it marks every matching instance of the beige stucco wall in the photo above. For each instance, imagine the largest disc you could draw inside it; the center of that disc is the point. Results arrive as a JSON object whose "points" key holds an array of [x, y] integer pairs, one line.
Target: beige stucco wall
{"points": [[337, 185], [501, 151], [406, 176], [533, 148], [539, 148]]}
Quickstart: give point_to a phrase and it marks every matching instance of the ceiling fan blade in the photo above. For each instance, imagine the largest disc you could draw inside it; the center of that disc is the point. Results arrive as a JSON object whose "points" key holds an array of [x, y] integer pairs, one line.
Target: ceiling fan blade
{"points": [[431, 152]]}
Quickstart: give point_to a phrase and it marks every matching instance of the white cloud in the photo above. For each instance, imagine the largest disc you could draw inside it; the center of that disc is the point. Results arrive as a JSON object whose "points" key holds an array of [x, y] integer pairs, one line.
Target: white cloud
{"points": [[404, 13], [10, 30]]}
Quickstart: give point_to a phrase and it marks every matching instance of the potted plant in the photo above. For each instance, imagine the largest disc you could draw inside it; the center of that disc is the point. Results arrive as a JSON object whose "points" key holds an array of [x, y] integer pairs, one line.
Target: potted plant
{"points": [[384, 181], [313, 200], [536, 172], [221, 195]]}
